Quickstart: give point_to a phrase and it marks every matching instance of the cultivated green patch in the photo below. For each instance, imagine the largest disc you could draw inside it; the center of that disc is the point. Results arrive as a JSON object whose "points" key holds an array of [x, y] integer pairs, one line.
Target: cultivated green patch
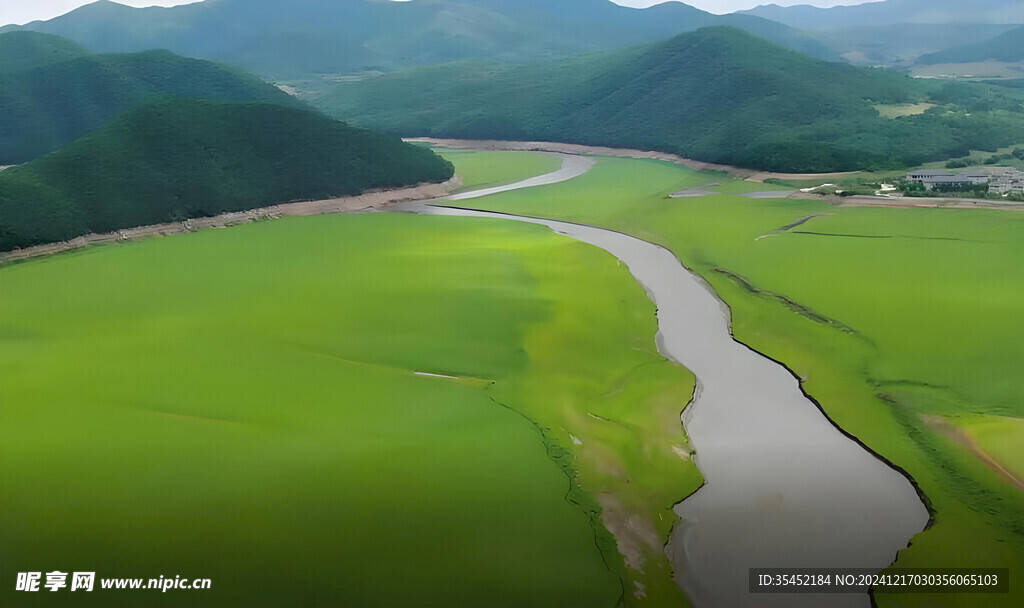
{"points": [[899, 110]]}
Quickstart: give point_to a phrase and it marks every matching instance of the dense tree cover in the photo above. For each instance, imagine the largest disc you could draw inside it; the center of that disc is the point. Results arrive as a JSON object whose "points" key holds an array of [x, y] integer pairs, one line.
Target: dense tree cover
{"points": [[290, 39], [1008, 46], [717, 94], [178, 158], [46, 104], [900, 44], [25, 50]]}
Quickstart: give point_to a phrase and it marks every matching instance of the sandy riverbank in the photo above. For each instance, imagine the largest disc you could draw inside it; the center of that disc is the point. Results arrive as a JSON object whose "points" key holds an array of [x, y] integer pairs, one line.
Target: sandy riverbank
{"points": [[368, 200]]}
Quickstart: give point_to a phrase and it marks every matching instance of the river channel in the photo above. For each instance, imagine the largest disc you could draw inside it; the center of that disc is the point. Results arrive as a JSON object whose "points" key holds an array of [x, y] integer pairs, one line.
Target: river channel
{"points": [[785, 487]]}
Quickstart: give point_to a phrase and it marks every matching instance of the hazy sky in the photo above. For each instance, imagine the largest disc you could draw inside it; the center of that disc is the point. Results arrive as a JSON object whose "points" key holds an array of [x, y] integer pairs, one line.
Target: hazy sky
{"points": [[23, 11]]}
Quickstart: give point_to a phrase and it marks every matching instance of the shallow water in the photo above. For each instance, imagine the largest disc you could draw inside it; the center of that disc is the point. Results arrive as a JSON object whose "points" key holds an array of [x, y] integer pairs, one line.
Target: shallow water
{"points": [[785, 488], [572, 166]]}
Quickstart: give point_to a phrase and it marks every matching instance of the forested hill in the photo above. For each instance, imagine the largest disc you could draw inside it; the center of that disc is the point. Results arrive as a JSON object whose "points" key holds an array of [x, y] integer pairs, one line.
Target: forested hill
{"points": [[26, 50], [52, 91], [287, 38], [876, 13], [1005, 47], [176, 158], [718, 95]]}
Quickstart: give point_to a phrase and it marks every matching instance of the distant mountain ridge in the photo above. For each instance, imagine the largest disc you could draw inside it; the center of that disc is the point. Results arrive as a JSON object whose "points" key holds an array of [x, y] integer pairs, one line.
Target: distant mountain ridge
{"points": [[717, 95], [886, 12], [52, 91], [901, 44], [282, 38], [23, 50], [1005, 47], [178, 158]]}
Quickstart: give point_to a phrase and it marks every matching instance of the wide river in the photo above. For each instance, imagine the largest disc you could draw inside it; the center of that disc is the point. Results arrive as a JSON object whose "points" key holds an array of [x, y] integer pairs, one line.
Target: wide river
{"points": [[785, 488]]}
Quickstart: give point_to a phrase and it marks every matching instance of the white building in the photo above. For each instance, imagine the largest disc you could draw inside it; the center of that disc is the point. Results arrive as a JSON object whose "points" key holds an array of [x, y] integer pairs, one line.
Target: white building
{"points": [[1011, 182], [932, 178], [999, 179]]}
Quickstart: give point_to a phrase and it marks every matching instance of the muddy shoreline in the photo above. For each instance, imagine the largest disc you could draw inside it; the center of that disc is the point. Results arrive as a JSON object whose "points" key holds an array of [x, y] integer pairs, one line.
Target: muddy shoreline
{"points": [[374, 199]]}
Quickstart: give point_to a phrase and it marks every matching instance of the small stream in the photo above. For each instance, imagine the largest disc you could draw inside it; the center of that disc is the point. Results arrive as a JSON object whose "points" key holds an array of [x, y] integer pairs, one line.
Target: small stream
{"points": [[785, 488]]}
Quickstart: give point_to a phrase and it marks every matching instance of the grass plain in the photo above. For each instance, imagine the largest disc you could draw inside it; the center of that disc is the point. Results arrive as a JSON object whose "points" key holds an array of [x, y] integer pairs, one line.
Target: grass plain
{"points": [[248, 405], [888, 315], [488, 169]]}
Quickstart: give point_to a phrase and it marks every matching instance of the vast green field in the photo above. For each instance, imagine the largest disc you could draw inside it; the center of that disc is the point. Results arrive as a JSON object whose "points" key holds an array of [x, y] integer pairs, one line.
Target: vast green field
{"points": [[253, 406], [395, 409], [893, 317]]}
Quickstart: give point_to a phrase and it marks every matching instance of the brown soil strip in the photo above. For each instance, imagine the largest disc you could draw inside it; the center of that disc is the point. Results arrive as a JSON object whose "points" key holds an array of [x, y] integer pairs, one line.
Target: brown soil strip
{"points": [[545, 146], [633, 534], [378, 199], [938, 424]]}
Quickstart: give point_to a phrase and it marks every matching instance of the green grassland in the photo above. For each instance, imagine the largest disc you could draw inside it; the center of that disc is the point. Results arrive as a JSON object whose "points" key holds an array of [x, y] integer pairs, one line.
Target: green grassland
{"points": [[243, 405], [487, 169], [1001, 437], [889, 316]]}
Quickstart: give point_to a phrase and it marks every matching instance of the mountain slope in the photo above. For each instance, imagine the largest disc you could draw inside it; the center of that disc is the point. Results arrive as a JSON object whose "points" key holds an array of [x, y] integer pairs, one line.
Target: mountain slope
{"points": [[178, 158], [717, 94], [45, 107], [901, 44], [807, 17], [23, 50], [289, 38], [1005, 47]]}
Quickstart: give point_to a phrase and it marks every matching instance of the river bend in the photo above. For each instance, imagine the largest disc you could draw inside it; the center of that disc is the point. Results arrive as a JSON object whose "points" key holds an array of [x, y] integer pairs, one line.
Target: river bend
{"points": [[785, 488]]}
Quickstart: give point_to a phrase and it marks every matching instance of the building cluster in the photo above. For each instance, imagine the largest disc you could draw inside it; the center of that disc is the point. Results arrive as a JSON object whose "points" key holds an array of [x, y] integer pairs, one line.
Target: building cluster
{"points": [[1000, 180], [1008, 181]]}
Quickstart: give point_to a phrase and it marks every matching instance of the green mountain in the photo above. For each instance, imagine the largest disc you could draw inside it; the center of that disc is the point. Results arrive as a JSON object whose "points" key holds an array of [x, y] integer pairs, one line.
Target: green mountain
{"points": [[177, 158], [806, 17], [23, 50], [717, 94], [46, 106], [291, 38], [901, 44], [1008, 46]]}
